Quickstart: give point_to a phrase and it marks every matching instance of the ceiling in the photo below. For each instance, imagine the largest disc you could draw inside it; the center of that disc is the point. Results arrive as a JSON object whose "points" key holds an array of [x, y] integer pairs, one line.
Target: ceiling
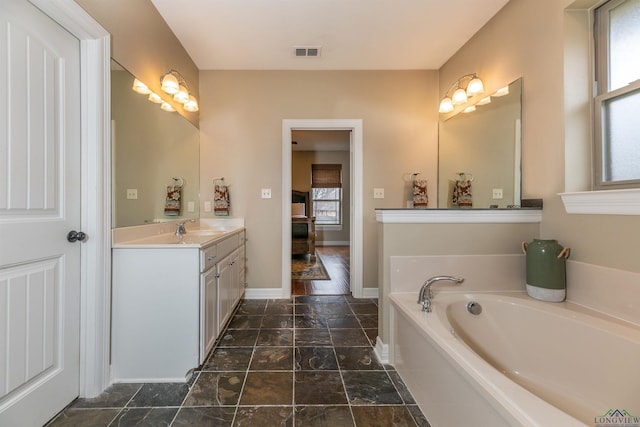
{"points": [[320, 140], [351, 34]]}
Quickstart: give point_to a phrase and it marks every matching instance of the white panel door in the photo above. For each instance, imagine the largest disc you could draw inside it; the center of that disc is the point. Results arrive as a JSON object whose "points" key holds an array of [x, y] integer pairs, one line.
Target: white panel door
{"points": [[39, 205]]}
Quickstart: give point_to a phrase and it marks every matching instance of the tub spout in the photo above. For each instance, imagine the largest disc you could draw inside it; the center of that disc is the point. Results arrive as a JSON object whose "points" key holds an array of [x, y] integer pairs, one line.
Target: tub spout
{"points": [[426, 294]]}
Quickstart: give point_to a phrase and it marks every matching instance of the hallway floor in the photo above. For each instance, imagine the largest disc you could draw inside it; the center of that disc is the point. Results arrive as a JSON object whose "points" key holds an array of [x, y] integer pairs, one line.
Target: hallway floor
{"points": [[336, 261], [307, 361]]}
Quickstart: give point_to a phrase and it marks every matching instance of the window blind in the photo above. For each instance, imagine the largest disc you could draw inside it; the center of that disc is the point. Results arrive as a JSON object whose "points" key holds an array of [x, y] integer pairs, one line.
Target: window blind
{"points": [[326, 176]]}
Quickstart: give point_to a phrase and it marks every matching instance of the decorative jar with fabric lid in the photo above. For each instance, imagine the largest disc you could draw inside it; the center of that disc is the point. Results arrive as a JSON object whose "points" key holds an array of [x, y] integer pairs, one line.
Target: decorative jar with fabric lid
{"points": [[546, 269]]}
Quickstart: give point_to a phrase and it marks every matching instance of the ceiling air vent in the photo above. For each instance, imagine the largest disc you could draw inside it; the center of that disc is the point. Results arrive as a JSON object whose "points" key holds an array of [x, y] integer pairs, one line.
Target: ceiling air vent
{"points": [[307, 51]]}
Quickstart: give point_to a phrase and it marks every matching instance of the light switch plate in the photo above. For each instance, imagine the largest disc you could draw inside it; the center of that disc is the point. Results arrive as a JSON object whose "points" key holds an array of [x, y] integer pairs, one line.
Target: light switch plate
{"points": [[207, 206], [265, 193], [378, 193], [191, 206]]}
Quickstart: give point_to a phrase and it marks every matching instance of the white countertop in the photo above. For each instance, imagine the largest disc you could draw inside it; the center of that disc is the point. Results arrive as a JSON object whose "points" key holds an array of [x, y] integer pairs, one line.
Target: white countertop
{"points": [[200, 233]]}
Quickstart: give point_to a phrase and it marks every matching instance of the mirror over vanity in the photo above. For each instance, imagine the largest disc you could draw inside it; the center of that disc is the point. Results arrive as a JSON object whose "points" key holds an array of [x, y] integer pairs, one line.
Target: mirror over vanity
{"points": [[151, 147], [485, 145]]}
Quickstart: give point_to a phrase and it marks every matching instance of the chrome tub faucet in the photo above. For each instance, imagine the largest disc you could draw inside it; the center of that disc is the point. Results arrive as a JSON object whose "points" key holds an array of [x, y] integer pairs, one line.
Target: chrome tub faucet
{"points": [[426, 294]]}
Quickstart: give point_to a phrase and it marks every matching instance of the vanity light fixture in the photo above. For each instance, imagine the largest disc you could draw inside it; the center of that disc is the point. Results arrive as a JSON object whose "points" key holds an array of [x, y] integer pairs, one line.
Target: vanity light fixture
{"points": [[140, 87], [502, 91], [165, 106], [155, 98], [174, 84], [459, 92], [469, 109]]}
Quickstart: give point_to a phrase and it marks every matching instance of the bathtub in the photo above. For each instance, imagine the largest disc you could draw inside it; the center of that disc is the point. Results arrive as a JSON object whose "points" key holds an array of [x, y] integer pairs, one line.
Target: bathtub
{"points": [[520, 362]]}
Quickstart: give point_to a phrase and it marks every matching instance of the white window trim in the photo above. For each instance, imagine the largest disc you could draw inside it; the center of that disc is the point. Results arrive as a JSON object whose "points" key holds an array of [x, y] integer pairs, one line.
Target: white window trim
{"points": [[605, 202], [596, 202]]}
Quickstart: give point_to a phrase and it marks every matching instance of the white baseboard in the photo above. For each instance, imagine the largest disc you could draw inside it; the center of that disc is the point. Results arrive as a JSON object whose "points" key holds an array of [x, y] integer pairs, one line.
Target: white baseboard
{"points": [[369, 292], [332, 243], [263, 293], [382, 351]]}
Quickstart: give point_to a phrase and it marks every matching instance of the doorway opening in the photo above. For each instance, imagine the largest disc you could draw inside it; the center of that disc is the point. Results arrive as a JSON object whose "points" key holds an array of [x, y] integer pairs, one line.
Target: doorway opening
{"points": [[321, 217], [335, 249]]}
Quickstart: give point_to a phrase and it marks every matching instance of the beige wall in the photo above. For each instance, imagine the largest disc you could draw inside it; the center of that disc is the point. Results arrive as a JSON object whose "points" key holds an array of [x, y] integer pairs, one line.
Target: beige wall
{"points": [[301, 162], [241, 139], [142, 42], [527, 39]]}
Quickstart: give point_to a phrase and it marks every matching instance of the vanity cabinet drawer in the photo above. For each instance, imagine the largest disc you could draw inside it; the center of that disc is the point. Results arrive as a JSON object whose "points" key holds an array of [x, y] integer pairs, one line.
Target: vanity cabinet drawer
{"points": [[226, 246], [208, 257]]}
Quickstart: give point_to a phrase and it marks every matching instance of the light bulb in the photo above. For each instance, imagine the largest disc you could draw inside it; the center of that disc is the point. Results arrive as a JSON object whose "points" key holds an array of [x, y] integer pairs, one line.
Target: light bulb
{"points": [[155, 98], [502, 91], [182, 95], [475, 87], [140, 87], [170, 84], [459, 96], [191, 105], [167, 107], [446, 106]]}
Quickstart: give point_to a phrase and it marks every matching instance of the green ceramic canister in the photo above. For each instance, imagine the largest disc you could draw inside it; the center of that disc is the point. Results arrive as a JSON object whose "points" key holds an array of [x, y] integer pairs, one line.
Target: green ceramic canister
{"points": [[546, 269]]}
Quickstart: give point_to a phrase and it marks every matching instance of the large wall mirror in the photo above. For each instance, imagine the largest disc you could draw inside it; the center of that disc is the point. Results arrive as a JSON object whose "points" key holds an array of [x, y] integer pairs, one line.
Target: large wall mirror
{"points": [[485, 145], [151, 147]]}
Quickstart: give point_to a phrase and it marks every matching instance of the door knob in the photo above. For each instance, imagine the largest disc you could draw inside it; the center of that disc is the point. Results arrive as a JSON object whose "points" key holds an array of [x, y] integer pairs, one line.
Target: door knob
{"points": [[75, 236]]}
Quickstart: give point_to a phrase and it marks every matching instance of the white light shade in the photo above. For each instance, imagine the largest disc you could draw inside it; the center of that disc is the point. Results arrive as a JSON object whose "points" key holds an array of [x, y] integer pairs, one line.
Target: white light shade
{"points": [[469, 109], [446, 106], [170, 84], [140, 87], [154, 97], [502, 91], [475, 87], [484, 101], [459, 96], [191, 105], [167, 107], [182, 95]]}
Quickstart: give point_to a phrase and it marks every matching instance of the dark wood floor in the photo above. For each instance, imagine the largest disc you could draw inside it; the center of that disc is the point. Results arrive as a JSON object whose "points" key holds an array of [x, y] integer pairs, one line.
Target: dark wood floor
{"points": [[336, 261]]}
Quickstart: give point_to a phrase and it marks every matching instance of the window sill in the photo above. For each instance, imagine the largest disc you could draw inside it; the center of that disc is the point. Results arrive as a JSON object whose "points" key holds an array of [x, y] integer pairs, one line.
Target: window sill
{"points": [[609, 202]]}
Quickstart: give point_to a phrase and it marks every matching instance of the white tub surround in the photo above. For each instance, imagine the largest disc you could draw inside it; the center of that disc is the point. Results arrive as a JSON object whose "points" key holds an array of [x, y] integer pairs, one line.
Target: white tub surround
{"points": [[460, 216], [610, 291], [172, 296], [450, 234], [520, 362]]}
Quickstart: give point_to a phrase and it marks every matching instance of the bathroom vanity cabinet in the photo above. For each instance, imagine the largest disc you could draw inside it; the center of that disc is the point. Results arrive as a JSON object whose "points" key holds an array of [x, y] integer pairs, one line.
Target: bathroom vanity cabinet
{"points": [[170, 302]]}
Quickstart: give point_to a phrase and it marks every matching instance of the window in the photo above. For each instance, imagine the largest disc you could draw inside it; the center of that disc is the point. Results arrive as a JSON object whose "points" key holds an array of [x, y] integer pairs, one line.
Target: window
{"points": [[326, 193], [617, 101]]}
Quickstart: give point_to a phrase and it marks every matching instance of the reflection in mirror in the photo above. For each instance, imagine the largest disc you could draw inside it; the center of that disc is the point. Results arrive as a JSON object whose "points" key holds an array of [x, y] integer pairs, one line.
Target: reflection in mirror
{"points": [[150, 147], [486, 145]]}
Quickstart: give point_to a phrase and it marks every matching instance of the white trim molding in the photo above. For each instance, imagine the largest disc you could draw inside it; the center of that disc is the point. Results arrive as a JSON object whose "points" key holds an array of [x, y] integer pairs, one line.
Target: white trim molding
{"points": [[356, 208], [369, 293], [605, 202], [458, 216], [263, 293], [95, 267], [382, 351]]}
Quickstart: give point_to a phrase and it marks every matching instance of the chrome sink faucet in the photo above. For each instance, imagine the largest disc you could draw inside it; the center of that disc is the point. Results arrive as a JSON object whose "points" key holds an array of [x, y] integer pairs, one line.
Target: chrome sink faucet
{"points": [[426, 294], [181, 229]]}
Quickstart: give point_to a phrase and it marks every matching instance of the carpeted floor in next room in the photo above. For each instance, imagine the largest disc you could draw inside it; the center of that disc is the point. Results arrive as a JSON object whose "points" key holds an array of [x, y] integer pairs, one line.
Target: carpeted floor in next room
{"points": [[305, 361]]}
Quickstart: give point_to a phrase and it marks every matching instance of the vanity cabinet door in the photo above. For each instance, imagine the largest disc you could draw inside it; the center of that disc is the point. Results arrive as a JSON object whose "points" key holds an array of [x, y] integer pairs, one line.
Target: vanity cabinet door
{"points": [[225, 303], [208, 312]]}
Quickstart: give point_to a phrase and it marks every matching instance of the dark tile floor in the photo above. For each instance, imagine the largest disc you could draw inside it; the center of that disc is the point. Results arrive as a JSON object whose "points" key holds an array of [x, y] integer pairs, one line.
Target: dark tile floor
{"points": [[307, 361]]}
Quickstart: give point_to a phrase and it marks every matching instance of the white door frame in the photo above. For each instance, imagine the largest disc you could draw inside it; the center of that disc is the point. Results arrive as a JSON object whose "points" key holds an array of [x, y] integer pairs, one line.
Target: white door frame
{"points": [[95, 276], [356, 217]]}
